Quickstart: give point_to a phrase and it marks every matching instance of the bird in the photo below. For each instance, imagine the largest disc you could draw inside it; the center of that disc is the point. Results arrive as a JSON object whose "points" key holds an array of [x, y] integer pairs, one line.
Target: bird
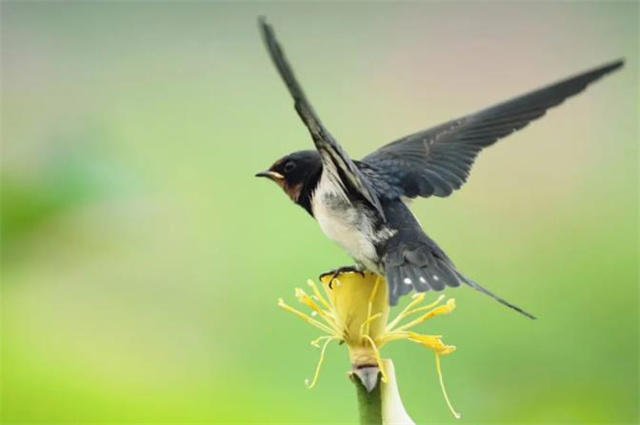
{"points": [[362, 204]]}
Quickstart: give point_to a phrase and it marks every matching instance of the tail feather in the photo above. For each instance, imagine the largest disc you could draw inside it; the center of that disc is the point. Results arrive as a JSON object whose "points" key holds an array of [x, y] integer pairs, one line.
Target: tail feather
{"points": [[449, 276], [502, 301], [418, 279], [397, 289], [428, 268]]}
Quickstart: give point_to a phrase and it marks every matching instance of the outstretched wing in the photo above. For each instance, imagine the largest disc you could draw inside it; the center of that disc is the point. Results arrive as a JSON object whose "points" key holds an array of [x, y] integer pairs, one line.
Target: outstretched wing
{"points": [[330, 151], [437, 161]]}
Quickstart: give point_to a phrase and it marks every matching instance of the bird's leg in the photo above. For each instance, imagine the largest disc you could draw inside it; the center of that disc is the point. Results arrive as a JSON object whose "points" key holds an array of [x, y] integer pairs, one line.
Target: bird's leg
{"points": [[357, 268]]}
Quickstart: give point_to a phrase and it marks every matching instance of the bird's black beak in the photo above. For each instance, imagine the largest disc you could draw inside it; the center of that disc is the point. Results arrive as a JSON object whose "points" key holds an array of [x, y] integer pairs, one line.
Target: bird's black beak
{"points": [[275, 176]]}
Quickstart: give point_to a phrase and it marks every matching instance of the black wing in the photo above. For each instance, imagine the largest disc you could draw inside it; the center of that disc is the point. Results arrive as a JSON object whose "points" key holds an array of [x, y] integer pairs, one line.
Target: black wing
{"points": [[330, 151], [437, 161]]}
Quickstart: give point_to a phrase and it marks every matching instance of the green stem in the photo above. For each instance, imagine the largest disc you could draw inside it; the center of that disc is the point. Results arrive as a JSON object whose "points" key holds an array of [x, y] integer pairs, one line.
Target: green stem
{"points": [[369, 403]]}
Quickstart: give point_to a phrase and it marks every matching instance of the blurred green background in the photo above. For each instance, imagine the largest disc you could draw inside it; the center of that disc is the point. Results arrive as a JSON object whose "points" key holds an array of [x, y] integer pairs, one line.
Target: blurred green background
{"points": [[141, 260]]}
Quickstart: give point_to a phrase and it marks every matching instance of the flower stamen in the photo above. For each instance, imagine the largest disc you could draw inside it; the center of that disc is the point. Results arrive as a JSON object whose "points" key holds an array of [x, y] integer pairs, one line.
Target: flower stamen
{"points": [[417, 298], [310, 320], [318, 295], [303, 298], [444, 391], [368, 321], [376, 353], [316, 342], [316, 374], [426, 307], [443, 309]]}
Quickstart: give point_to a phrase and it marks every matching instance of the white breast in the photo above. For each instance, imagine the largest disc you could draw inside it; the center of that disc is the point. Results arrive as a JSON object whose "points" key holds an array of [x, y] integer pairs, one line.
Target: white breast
{"points": [[343, 222]]}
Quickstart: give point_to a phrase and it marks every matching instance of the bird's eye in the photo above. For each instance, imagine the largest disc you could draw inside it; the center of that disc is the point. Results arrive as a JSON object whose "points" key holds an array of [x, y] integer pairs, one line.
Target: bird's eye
{"points": [[289, 166]]}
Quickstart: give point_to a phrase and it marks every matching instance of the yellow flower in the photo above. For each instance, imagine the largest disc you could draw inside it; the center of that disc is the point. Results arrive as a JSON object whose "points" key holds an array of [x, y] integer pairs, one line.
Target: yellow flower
{"points": [[354, 309]]}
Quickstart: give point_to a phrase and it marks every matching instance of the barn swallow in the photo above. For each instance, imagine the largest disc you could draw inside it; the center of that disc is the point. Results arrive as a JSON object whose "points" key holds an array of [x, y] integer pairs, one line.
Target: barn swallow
{"points": [[361, 204]]}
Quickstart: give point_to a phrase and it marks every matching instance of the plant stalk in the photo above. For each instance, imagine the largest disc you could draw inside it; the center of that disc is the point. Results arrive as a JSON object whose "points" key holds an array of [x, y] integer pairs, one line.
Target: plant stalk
{"points": [[369, 402], [378, 402]]}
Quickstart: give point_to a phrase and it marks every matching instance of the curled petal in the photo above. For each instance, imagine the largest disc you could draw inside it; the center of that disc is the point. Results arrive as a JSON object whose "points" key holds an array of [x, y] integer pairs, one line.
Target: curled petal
{"points": [[433, 342]]}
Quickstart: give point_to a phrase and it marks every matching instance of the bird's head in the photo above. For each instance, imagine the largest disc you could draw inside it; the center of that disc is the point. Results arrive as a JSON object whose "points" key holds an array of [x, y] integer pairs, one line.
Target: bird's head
{"points": [[296, 173]]}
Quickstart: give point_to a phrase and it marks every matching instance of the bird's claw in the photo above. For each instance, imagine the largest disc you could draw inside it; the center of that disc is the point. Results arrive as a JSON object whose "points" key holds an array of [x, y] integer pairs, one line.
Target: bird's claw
{"points": [[337, 272]]}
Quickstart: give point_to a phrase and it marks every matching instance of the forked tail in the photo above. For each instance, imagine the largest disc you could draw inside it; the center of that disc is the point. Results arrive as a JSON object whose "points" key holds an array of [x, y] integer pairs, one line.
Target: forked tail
{"points": [[494, 296], [426, 267]]}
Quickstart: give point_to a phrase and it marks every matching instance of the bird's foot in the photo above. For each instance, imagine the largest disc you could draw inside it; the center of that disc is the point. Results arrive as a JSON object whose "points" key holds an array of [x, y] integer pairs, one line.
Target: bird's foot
{"points": [[337, 272]]}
